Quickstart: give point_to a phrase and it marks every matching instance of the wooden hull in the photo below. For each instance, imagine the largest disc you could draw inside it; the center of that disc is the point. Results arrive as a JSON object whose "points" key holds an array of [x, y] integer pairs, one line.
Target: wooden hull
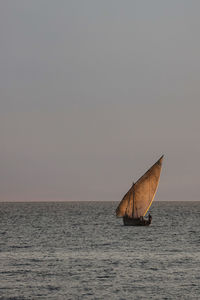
{"points": [[136, 222]]}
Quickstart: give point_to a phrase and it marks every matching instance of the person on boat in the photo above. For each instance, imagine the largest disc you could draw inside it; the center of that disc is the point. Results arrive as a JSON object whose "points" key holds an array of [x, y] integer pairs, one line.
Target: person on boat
{"points": [[150, 218]]}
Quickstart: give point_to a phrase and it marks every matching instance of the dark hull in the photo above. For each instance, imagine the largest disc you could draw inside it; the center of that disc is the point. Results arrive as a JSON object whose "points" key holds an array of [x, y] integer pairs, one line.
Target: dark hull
{"points": [[136, 222]]}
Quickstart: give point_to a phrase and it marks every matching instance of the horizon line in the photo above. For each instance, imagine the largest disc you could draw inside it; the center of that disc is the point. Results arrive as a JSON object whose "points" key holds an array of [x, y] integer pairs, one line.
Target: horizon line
{"points": [[67, 201]]}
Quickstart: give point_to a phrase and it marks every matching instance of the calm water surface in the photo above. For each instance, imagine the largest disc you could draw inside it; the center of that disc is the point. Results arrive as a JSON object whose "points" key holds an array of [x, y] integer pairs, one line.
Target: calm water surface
{"points": [[81, 251]]}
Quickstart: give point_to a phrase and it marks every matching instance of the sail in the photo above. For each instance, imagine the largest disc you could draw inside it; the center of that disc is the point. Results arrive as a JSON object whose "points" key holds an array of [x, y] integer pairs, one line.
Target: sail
{"points": [[145, 189], [126, 205], [137, 201]]}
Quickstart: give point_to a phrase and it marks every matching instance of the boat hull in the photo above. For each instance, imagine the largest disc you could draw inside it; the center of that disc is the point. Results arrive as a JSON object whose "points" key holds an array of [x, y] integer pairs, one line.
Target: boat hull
{"points": [[136, 222]]}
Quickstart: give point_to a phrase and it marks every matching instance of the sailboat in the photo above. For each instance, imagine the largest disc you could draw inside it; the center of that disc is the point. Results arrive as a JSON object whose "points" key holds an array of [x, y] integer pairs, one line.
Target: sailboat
{"points": [[137, 201]]}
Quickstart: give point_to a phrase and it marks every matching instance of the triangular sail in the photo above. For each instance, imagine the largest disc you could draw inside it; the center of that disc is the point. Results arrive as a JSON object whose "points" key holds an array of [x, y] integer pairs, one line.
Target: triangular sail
{"points": [[145, 189], [142, 193]]}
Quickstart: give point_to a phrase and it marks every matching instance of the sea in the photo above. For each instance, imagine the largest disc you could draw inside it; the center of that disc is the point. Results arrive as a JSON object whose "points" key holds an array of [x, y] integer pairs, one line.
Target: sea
{"points": [[80, 250]]}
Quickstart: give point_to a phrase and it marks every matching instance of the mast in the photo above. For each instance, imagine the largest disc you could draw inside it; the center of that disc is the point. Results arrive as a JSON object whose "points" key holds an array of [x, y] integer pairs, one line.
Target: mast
{"points": [[133, 201], [130, 203], [126, 205]]}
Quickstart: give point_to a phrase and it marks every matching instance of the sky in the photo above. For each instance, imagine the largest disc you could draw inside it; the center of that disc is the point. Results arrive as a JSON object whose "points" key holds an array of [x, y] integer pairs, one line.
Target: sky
{"points": [[92, 93]]}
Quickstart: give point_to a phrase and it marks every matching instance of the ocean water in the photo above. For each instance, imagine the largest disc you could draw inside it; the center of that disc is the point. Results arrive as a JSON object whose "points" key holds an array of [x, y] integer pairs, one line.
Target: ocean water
{"points": [[82, 251]]}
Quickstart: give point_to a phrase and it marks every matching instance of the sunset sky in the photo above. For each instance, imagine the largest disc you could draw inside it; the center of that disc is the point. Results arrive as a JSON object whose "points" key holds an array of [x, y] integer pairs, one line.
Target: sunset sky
{"points": [[92, 93]]}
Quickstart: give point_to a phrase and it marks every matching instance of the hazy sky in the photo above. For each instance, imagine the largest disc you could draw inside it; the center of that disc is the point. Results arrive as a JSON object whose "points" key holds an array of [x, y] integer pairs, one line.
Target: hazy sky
{"points": [[92, 93]]}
